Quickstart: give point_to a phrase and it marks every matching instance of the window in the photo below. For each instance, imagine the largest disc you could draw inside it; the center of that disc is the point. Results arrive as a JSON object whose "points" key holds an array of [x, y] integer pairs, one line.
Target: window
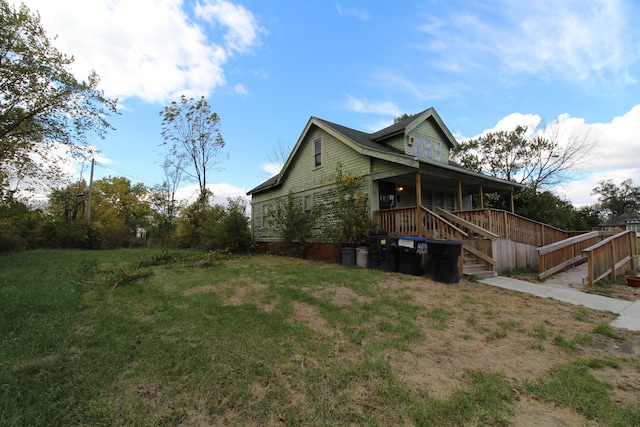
{"points": [[317, 152], [308, 202], [417, 146], [436, 150], [427, 148], [265, 212]]}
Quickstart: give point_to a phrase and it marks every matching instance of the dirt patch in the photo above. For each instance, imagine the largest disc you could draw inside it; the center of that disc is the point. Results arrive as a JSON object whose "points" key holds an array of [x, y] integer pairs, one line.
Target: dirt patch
{"points": [[485, 329], [243, 294], [531, 413], [199, 290], [617, 291], [308, 315], [340, 296]]}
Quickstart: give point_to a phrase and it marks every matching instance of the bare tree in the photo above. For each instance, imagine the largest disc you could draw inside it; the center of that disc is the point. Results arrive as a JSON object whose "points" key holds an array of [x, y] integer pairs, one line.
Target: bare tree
{"points": [[277, 157], [537, 159], [164, 195], [193, 132]]}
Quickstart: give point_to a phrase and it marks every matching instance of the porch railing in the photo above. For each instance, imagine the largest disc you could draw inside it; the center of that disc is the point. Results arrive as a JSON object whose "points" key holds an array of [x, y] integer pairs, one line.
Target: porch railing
{"points": [[557, 256], [612, 256], [515, 227], [419, 222]]}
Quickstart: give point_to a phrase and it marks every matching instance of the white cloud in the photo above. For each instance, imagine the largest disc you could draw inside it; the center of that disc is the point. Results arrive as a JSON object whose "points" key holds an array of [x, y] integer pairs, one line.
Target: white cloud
{"points": [[271, 169], [240, 89], [149, 49], [361, 14], [613, 156], [619, 141], [579, 40], [242, 27], [510, 122], [221, 192], [579, 190], [384, 108]]}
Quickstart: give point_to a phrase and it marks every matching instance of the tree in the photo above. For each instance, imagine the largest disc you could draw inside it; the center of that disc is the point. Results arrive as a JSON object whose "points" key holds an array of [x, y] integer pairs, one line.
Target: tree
{"points": [[68, 203], [193, 131], [618, 200], [534, 159], [277, 158], [163, 196], [587, 217], [290, 221], [350, 209], [118, 207], [547, 208], [41, 102]]}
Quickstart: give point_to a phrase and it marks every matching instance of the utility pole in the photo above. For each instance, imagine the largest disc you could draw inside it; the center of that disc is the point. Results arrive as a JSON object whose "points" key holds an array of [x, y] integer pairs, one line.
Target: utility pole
{"points": [[90, 191]]}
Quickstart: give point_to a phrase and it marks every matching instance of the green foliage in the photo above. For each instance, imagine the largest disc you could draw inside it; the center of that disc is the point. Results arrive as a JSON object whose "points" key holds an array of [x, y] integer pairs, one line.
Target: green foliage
{"points": [[214, 227], [547, 208], [618, 200], [350, 210], [233, 233], [587, 217], [18, 225], [192, 130], [607, 331], [290, 221], [41, 99]]}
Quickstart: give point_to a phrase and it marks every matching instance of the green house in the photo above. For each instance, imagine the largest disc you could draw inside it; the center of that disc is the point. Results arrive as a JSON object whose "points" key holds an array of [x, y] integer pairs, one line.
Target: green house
{"points": [[407, 171]]}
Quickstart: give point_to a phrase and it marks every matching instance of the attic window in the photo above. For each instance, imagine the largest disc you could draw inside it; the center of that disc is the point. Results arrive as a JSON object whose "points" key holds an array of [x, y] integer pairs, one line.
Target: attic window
{"points": [[317, 151]]}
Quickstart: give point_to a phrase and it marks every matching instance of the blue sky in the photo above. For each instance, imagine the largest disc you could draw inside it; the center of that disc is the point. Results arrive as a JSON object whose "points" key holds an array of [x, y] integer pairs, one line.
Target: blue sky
{"points": [[267, 66]]}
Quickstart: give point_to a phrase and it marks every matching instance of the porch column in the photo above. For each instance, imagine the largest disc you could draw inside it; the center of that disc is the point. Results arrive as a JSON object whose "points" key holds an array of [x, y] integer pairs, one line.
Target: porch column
{"points": [[419, 203], [513, 209], [459, 195], [481, 196]]}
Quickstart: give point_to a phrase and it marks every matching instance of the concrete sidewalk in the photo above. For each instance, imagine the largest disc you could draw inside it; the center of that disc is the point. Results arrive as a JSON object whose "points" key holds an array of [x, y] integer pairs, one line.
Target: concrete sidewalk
{"points": [[629, 312]]}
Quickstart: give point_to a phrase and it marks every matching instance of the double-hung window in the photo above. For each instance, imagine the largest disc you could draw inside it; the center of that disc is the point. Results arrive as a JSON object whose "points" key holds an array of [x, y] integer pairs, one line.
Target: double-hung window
{"points": [[317, 152]]}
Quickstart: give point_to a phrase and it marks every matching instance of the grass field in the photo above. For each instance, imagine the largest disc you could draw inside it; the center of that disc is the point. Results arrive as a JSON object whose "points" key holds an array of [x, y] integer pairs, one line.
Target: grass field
{"points": [[141, 337]]}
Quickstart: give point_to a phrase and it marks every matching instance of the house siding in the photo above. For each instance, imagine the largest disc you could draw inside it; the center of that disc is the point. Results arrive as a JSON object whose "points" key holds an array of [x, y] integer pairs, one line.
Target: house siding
{"points": [[304, 179], [429, 129]]}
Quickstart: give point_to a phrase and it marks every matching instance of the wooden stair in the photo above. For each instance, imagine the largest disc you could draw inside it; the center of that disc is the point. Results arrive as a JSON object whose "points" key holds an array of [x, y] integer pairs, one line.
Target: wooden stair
{"points": [[474, 266]]}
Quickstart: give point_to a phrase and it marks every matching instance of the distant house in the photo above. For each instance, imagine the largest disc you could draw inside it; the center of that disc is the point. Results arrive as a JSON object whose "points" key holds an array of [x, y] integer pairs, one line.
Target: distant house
{"points": [[405, 165], [628, 221]]}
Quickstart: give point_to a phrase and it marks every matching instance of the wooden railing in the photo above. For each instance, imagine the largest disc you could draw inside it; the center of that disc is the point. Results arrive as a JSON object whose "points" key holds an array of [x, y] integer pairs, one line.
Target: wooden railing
{"points": [[437, 227], [612, 256], [515, 227], [479, 241], [557, 256], [419, 222]]}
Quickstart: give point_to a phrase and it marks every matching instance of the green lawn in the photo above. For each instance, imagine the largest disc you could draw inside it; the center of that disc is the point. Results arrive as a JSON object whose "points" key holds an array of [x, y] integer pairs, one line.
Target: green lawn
{"points": [[141, 337]]}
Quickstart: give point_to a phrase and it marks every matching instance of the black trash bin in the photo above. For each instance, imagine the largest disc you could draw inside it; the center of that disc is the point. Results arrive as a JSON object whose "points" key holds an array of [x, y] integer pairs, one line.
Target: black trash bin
{"points": [[389, 254], [411, 250], [375, 247], [444, 260]]}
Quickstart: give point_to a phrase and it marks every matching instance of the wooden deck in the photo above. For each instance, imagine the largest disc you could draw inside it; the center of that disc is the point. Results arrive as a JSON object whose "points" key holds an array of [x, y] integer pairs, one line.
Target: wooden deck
{"points": [[496, 240]]}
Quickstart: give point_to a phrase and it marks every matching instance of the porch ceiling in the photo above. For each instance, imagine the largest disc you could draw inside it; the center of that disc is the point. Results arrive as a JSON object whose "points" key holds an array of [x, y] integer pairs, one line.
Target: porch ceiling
{"points": [[433, 177]]}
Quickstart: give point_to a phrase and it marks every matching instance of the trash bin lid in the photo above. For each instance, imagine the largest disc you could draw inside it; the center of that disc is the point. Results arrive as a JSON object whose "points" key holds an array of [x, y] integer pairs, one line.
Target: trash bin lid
{"points": [[410, 241]]}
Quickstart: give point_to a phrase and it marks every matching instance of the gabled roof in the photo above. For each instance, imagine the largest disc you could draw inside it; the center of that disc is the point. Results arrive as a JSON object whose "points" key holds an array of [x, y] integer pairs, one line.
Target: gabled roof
{"points": [[622, 220], [373, 145], [361, 142], [407, 125]]}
